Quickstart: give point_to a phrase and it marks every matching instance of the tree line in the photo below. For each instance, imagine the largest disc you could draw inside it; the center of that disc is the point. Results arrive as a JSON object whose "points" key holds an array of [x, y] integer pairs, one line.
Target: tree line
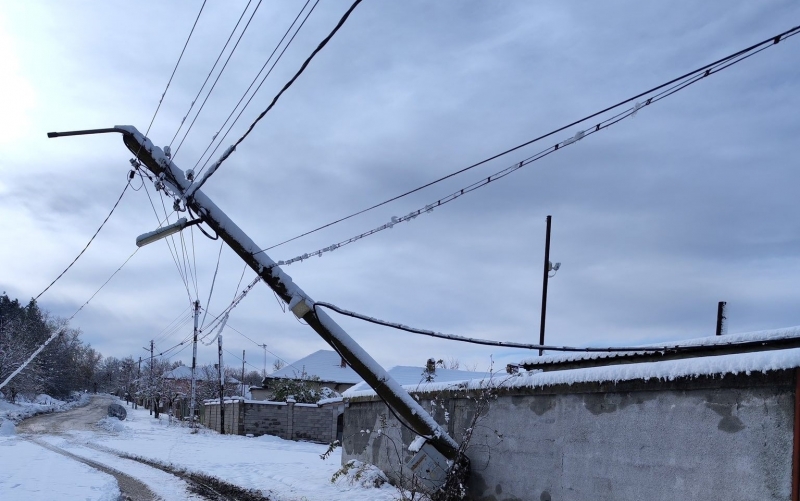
{"points": [[69, 365]]}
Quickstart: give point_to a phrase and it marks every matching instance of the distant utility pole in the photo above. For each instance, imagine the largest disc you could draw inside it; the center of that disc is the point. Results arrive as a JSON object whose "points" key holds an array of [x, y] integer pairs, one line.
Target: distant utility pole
{"points": [[722, 325], [194, 360], [150, 385], [138, 382], [546, 275], [221, 387], [242, 373], [264, 372]]}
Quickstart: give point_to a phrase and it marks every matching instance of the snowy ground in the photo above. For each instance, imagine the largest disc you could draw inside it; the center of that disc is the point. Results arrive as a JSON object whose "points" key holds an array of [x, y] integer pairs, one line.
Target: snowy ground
{"points": [[280, 469]]}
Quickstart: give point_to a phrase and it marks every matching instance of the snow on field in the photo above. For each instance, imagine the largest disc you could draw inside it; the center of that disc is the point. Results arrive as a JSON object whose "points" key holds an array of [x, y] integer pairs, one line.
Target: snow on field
{"points": [[24, 466], [282, 469]]}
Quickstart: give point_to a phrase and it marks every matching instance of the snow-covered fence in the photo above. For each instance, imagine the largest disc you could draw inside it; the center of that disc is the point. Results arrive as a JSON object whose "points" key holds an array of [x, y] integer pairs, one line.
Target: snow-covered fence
{"points": [[702, 436], [289, 420]]}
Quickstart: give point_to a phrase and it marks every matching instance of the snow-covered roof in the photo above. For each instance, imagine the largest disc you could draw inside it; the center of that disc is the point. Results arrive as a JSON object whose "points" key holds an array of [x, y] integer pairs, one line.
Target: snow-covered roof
{"points": [[668, 370], [184, 372], [767, 335], [414, 379], [324, 364]]}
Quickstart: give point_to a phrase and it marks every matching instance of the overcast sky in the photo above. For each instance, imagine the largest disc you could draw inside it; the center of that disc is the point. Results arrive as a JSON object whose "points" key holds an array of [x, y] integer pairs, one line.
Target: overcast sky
{"points": [[655, 219]]}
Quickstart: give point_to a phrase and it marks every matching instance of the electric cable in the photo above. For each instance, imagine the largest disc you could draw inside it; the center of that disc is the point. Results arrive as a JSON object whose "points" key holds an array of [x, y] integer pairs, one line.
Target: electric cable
{"points": [[511, 344], [227, 153], [288, 30], [87, 243], [627, 113], [210, 72], [213, 281], [160, 101], [58, 332], [166, 241], [767, 43], [203, 104]]}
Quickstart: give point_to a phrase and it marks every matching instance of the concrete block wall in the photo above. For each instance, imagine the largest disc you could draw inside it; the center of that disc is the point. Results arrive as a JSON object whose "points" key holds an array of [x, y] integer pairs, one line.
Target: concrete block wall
{"points": [[267, 418], [315, 423], [291, 421], [233, 421], [703, 438]]}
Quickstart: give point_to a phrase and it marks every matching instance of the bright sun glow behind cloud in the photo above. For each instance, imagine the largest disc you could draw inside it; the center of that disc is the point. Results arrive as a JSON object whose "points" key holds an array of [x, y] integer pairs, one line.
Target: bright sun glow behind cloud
{"points": [[17, 96]]}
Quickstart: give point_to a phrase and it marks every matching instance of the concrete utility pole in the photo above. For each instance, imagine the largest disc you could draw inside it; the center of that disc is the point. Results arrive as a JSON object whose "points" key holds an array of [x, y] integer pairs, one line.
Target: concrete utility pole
{"points": [[138, 382], [194, 361], [264, 372], [221, 387], [150, 383], [175, 181], [242, 373]]}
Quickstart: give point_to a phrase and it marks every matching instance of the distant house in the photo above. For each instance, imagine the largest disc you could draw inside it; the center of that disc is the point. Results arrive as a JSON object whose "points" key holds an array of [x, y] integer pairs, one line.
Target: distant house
{"points": [[321, 369]]}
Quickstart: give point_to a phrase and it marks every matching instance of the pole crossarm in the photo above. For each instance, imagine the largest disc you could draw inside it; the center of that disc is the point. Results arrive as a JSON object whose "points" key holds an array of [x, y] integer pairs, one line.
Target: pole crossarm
{"points": [[299, 302]]}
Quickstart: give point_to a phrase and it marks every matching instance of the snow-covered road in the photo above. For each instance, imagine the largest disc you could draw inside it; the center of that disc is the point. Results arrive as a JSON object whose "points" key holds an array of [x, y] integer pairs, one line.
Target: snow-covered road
{"points": [[275, 468]]}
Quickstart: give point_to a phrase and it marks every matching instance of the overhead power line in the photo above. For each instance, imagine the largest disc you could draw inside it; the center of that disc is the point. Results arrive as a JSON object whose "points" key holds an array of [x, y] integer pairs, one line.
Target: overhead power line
{"points": [[627, 113], [87, 243], [744, 52], [219, 75], [227, 153], [255, 78], [58, 332], [510, 344], [163, 94]]}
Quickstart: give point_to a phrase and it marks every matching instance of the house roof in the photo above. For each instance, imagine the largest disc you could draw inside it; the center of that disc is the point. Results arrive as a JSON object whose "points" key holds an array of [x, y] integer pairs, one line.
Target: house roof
{"points": [[413, 378], [184, 372], [324, 364]]}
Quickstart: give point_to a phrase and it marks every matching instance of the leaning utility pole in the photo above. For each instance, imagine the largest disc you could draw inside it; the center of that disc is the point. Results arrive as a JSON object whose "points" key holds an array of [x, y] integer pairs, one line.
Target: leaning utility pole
{"points": [[439, 446], [194, 361]]}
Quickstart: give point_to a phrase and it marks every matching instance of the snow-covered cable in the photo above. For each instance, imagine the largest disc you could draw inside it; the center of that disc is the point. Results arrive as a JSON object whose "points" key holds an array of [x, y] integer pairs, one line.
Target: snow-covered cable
{"points": [[702, 72], [56, 333], [217, 331], [510, 344], [580, 134]]}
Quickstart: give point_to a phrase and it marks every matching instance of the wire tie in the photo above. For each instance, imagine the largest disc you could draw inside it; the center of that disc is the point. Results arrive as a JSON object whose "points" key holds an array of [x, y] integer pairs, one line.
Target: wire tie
{"points": [[776, 39]]}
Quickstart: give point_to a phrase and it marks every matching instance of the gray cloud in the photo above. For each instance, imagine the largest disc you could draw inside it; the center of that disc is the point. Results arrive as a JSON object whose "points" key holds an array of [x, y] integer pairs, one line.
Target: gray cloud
{"points": [[655, 219]]}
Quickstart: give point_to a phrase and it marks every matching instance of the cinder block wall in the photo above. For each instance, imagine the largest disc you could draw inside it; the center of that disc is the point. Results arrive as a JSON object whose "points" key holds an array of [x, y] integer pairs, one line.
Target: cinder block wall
{"points": [[701, 439], [291, 421], [232, 416], [314, 423], [268, 418]]}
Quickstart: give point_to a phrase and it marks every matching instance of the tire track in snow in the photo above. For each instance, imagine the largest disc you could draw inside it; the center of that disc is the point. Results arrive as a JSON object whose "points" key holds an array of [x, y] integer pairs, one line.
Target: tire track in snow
{"points": [[130, 488]]}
